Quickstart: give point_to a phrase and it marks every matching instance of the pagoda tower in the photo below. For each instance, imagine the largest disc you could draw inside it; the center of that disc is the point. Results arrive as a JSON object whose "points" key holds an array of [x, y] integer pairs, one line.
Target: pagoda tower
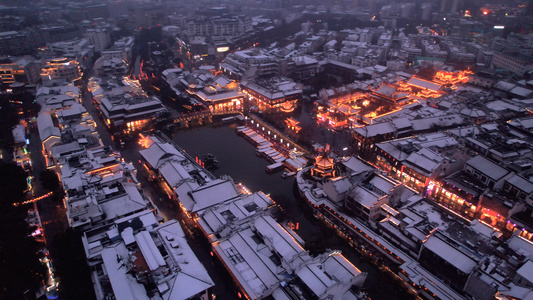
{"points": [[324, 166]]}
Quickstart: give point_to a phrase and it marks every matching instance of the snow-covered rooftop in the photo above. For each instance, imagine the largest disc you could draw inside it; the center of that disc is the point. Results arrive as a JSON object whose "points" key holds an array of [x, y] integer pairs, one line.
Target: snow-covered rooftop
{"points": [[192, 277], [356, 165], [212, 193], [365, 197], [157, 152], [375, 129], [212, 220], [487, 167], [249, 261], [125, 286], [450, 254], [151, 254], [526, 271], [281, 240], [173, 172], [424, 84]]}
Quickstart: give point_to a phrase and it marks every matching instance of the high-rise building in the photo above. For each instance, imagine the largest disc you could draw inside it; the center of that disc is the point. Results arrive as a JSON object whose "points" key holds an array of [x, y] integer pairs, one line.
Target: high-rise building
{"points": [[512, 61], [100, 38], [371, 4], [81, 11], [426, 11], [443, 5], [13, 43], [455, 6]]}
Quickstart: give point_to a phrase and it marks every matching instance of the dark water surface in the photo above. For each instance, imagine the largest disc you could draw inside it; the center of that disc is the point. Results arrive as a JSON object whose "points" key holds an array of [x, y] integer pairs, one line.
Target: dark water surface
{"points": [[237, 158]]}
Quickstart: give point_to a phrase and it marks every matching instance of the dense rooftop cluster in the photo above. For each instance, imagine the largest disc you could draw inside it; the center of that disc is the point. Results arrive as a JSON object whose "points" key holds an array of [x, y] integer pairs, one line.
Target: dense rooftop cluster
{"points": [[439, 186]]}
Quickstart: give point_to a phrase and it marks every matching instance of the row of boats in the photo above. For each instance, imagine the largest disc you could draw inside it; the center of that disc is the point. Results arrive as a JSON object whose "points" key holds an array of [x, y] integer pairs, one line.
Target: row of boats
{"points": [[265, 148]]}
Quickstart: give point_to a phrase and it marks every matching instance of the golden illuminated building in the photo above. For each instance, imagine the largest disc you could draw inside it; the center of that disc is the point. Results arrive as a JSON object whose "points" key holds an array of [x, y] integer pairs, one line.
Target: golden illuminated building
{"points": [[22, 70], [333, 120], [452, 78], [145, 141], [137, 125], [424, 88], [287, 106], [350, 108], [391, 93], [7, 75], [293, 125], [61, 68], [324, 166], [274, 94], [128, 112], [219, 93], [343, 110], [453, 198], [464, 194]]}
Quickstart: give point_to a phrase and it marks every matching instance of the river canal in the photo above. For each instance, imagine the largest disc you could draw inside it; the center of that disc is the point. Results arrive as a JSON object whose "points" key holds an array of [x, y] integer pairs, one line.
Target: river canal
{"points": [[237, 158]]}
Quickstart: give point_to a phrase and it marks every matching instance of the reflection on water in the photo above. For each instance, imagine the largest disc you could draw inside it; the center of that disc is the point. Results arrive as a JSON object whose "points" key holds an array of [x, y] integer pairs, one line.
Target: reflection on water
{"points": [[237, 158]]}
